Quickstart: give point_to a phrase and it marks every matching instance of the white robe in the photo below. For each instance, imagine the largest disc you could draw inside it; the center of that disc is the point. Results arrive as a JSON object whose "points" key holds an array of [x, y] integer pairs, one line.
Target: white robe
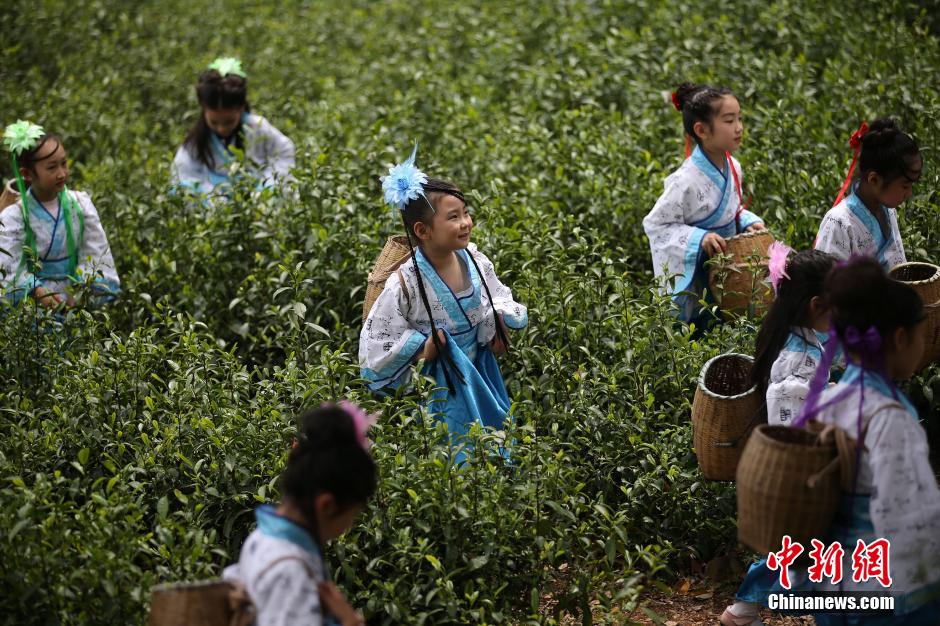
{"points": [[280, 567], [849, 228], [267, 150], [398, 325], [94, 252], [791, 374], [698, 199], [895, 470]]}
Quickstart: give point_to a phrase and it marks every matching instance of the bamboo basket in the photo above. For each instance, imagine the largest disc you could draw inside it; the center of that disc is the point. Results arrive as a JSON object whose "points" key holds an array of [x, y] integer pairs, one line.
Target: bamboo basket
{"points": [[9, 195], [204, 603], [741, 282], [395, 252], [790, 482], [924, 278], [725, 410]]}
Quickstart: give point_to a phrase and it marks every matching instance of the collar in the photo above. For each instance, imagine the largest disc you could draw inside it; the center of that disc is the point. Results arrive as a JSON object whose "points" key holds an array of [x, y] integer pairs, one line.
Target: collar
{"points": [[279, 527]]}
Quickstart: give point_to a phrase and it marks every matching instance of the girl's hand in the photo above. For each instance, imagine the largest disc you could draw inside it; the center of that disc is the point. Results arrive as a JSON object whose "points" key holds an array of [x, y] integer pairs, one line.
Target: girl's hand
{"points": [[497, 346], [46, 298], [336, 605], [429, 353], [713, 243], [753, 227]]}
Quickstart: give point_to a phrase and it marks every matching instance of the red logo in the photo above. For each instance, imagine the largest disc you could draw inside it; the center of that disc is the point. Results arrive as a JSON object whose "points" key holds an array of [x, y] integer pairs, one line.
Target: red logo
{"points": [[783, 559], [871, 561], [826, 563]]}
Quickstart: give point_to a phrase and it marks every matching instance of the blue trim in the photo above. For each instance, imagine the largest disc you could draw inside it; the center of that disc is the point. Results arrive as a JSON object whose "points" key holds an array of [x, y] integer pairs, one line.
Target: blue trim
{"points": [[798, 343], [878, 383], [273, 525], [391, 372], [705, 165], [748, 219], [724, 187], [512, 323], [693, 253], [860, 210], [441, 289]]}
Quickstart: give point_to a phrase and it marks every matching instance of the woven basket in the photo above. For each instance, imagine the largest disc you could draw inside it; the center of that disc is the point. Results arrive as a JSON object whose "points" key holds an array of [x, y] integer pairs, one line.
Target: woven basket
{"points": [[789, 483], [204, 603], [395, 252], [725, 409], [740, 284], [924, 278], [9, 195]]}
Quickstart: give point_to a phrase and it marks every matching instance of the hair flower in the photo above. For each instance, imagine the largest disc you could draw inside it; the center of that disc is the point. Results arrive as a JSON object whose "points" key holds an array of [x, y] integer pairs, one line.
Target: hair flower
{"points": [[777, 265], [228, 65], [361, 420], [21, 136], [404, 182]]}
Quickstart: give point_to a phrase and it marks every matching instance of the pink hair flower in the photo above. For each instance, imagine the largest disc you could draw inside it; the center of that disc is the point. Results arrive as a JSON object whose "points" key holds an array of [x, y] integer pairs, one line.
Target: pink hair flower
{"points": [[361, 420], [777, 265]]}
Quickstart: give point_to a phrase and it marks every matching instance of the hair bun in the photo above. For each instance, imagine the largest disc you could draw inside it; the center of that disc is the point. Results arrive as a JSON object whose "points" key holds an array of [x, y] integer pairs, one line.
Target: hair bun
{"points": [[685, 92]]}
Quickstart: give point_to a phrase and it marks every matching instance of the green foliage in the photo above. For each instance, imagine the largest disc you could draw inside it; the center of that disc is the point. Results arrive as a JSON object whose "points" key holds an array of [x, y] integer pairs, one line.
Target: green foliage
{"points": [[135, 440]]}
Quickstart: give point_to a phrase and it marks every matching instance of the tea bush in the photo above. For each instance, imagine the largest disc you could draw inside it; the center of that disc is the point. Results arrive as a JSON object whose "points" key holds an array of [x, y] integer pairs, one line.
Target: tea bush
{"points": [[137, 439]]}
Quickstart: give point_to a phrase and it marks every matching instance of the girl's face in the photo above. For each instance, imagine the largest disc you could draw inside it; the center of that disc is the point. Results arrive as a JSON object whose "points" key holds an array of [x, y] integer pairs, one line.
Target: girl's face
{"points": [[898, 190], [909, 346], [50, 171], [333, 521], [726, 130], [451, 225], [223, 122]]}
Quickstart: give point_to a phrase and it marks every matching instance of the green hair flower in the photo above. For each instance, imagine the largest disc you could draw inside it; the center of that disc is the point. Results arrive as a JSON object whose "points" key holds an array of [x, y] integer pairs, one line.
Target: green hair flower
{"points": [[22, 136], [228, 65]]}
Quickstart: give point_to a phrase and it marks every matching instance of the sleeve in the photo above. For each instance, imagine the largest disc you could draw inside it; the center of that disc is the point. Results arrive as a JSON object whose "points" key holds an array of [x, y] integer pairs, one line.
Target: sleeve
{"points": [[514, 314], [833, 237], [189, 173], [95, 258], [784, 400], [675, 245], [905, 500], [16, 279], [286, 595], [388, 344], [278, 154]]}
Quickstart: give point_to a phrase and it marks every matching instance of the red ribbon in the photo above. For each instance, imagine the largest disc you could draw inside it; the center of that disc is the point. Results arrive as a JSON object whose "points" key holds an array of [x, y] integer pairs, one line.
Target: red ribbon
{"points": [[737, 187], [675, 101], [855, 141]]}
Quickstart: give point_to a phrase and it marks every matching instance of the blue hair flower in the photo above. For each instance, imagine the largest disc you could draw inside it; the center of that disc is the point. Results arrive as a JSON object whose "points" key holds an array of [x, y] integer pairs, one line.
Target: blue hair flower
{"points": [[404, 182]]}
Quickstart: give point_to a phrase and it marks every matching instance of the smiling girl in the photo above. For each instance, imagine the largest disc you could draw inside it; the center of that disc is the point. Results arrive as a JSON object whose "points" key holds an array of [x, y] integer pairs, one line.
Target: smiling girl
{"points": [[866, 221], [225, 122], [52, 240], [445, 306], [701, 205]]}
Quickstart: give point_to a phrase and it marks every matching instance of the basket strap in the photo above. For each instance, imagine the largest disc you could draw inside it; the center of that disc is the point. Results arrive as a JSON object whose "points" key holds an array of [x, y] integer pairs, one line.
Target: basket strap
{"points": [[240, 604], [404, 287]]}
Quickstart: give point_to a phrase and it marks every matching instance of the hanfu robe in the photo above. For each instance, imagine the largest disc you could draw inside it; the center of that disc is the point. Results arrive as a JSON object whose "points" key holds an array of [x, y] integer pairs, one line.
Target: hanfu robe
{"points": [[849, 228], [398, 326], [269, 154], [47, 220], [791, 375], [280, 567], [698, 199], [895, 497]]}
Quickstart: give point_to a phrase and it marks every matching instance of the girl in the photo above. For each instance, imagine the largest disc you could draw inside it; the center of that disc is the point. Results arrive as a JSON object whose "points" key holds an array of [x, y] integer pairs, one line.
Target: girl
{"points": [[328, 480], [789, 348], [202, 162], [52, 239], [866, 221], [789, 344], [445, 306], [701, 204], [879, 324]]}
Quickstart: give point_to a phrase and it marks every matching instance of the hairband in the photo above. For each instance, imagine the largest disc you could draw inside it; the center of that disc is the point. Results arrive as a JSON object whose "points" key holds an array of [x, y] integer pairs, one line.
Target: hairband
{"points": [[228, 65]]}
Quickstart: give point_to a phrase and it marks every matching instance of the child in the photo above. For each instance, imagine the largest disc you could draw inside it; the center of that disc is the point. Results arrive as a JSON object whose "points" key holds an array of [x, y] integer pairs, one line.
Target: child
{"points": [[52, 238], [789, 344], [328, 480], [701, 204], [879, 324], [445, 306], [202, 161], [866, 221]]}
